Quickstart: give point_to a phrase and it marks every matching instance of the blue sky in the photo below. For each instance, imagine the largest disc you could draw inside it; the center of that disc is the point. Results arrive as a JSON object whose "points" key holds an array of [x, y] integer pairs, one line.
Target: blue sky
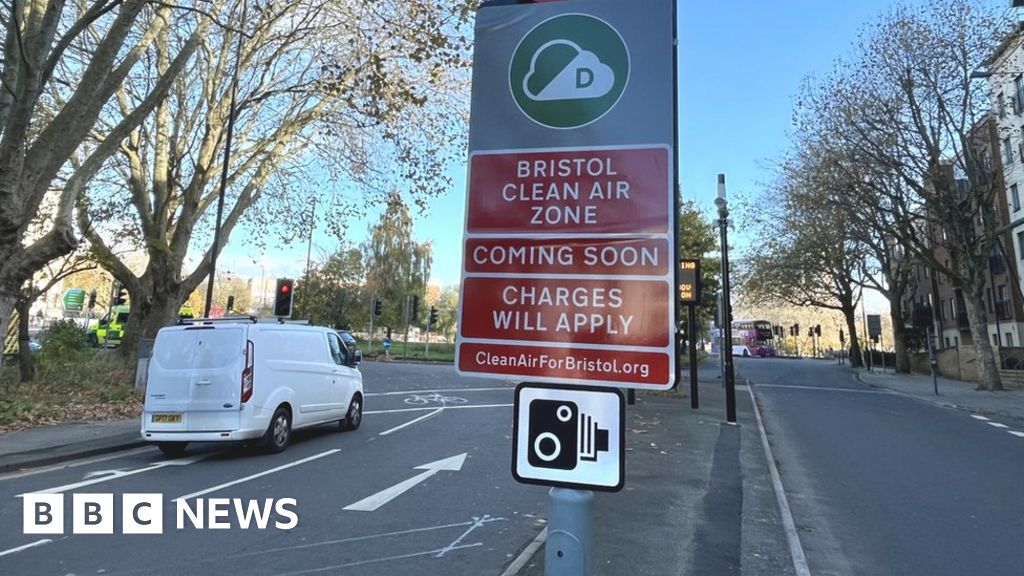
{"points": [[741, 65]]}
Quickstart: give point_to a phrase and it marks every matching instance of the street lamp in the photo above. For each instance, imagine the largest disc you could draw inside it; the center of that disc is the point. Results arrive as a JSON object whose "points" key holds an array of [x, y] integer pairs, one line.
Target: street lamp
{"points": [[730, 376]]}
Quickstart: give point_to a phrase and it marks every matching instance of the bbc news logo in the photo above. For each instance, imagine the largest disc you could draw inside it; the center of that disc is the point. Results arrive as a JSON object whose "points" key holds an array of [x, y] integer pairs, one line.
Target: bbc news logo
{"points": [[144, 514]]}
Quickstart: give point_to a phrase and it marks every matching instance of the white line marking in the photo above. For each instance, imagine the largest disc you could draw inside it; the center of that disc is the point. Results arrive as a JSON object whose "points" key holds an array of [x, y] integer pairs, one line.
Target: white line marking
{"points": [[411, 422], [399, 410], [796, 551], [477, 522], [1017, 434], [26, 547], [73, 463], [825, 388], [976, 417], [525, 556], [408, 392], [375, 501], [259, 475], [997, 424], [117, 474], [374, 560], [346, 540]]}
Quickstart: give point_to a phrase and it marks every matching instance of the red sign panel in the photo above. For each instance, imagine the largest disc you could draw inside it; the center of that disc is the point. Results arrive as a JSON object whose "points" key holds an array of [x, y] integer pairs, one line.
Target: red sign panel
{"points": [[612, 312], [626, 366], [568, 267], [622, 256], [577, 191]]}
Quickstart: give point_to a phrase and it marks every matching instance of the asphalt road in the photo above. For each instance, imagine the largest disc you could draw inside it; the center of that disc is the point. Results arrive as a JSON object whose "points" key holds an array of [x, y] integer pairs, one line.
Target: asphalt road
{"points": [[470, 521], [880, 483]]}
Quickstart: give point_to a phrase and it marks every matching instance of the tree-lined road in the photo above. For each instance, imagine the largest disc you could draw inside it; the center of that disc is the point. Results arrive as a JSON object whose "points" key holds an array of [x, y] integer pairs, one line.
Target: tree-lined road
{"points": [[465, 515], [881, 483]]}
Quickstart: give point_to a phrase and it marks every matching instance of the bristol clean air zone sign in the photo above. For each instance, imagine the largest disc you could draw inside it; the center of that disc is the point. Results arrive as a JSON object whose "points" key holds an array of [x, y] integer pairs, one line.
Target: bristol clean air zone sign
{"points": [[569, 257]]}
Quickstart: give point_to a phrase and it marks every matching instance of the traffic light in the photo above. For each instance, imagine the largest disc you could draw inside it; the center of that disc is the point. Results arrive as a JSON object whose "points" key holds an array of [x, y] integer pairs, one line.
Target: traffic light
{"points": [[376, 307], [817, 330], [796, 329], [433, 317], [120, 295], [92, 299], [231, 303], [283, 297], [842, 336], [414, 308]]}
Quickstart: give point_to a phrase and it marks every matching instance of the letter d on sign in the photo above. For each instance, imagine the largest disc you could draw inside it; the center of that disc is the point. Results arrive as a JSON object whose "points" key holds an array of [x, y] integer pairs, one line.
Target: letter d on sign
{"points": [[42, 513], [580, 73]]}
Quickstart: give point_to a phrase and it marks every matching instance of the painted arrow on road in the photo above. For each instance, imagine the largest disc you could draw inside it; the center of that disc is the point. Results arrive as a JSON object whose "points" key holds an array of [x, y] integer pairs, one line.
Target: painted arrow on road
{"points": [[371, 503]]}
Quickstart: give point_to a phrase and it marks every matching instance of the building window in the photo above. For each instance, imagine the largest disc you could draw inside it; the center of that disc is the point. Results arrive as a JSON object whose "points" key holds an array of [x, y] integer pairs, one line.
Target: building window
{"points": [[1018, 85], [1007, 151], [1002, 106], [947, 341], [1009, 339], [926, 268], [956, 341], [952, 308], [1020, 244], [994, 341], [1015, 197]]}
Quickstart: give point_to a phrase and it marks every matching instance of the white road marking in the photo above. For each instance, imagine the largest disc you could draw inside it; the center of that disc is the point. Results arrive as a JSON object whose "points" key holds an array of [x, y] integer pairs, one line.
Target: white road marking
{"points": [[374, 560], [824, 388], [73, 464], [258, 475], [520, 562], [375, 501], [977, 417], [997, 424], [796, 550], [399, 410], [108, 475], [25, 547], [477, 522], [408, 392], [411, 422], [346, 540], [1017, 434]]}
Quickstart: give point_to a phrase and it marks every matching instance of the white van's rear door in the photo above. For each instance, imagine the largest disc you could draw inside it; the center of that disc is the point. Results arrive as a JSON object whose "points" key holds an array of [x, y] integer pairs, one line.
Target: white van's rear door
{"points": [[196, 373]]}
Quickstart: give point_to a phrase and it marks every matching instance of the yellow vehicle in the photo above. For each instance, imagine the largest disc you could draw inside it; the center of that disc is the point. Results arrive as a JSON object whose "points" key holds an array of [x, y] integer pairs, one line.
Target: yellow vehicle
{"points": [[109, 330]]}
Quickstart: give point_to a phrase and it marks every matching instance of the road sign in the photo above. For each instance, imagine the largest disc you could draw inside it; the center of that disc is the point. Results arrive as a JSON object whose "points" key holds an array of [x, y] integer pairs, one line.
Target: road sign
{"points": [[874, 325], [570, 437], [689, 281], [386, 344], [73, 301], [569, 252]]}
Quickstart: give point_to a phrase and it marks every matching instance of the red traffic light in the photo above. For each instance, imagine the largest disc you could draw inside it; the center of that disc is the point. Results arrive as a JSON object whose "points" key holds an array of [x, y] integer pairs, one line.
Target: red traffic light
{"points": [[285, 288]]}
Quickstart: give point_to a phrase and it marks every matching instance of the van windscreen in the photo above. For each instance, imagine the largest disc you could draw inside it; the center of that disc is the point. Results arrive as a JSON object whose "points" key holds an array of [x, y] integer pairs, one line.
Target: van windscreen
{"points": [[202, 349]]}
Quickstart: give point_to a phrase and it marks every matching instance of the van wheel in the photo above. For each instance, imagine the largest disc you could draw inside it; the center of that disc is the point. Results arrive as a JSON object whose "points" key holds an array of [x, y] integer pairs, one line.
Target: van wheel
{"points": [[172, 449], [279, 432], [355, 414], [746, 353]]}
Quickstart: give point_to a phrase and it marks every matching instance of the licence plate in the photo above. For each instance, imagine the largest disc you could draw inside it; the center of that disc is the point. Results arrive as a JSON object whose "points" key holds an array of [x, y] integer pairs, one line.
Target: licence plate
{"points": [[167, 418]]}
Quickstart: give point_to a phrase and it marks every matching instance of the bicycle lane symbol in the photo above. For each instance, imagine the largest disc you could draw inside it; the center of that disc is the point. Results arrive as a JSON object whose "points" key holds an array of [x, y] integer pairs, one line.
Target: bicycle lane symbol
{"points": [[434, 398]]}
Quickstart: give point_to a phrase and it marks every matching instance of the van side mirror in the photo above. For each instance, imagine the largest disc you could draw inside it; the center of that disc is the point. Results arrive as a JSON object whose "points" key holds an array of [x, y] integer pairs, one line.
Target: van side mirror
{"points": [[355, 357]]}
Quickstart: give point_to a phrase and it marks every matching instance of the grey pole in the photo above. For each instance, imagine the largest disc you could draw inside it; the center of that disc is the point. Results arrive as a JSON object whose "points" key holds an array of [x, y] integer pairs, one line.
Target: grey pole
{"points": [[570, 532], [730, 375], [932, 360]]}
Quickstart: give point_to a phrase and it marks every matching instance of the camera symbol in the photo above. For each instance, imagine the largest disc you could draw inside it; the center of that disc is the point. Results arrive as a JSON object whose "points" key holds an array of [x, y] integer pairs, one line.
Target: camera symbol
{"points": [[560, 435]]}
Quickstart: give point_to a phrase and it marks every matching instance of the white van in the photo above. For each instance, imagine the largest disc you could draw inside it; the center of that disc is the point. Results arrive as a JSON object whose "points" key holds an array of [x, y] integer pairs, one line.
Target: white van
{"points": [[236, 379]]}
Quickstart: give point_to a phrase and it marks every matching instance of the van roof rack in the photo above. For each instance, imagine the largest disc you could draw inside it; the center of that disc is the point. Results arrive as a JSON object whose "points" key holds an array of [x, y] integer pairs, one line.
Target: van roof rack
{"points": [[247, 319]]}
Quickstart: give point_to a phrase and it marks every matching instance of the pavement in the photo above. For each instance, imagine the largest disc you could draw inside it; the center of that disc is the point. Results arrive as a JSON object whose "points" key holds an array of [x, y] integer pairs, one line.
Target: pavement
{"points": [[951, 393], [697, 499]]}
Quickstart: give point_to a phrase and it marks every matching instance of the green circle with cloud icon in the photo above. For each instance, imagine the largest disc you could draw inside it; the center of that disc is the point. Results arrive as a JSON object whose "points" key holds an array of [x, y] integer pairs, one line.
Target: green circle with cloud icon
{"points": [[569, 71]]}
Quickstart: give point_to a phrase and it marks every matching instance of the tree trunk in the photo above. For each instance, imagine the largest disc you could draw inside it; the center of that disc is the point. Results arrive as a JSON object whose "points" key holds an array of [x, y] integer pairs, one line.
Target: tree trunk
{"points": [[155, 301], [849, 313], [25, 365], [7, 302], [899, 338], [988, 368]]}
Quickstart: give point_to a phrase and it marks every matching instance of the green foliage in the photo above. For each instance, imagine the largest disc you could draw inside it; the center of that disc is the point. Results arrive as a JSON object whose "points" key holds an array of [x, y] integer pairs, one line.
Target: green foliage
{"points": [[332, 293], [396, 265], [64, 342]]}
